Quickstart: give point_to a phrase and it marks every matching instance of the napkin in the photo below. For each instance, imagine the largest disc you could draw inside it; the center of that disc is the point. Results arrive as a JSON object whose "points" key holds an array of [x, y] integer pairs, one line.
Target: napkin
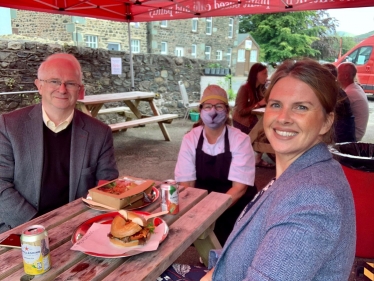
{"points": [[96, 241]]}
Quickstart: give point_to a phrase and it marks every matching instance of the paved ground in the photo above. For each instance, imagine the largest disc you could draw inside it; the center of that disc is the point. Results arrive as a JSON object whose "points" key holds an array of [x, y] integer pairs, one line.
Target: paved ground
{"points": [[143, 152]]}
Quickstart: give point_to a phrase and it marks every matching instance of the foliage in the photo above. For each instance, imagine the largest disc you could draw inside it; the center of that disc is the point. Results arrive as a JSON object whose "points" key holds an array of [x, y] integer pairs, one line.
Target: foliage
{"points": [[289, 35], [214, 65], [10, 82]]}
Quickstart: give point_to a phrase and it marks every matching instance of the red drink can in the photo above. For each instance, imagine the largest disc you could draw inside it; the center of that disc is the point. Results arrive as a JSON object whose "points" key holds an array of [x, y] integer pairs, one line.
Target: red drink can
{"points": [[170, 197]]}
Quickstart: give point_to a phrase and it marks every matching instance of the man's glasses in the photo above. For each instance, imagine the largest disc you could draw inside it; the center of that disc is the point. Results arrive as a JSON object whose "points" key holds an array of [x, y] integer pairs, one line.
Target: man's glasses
{"points": [[55, 84], [209, 106]]}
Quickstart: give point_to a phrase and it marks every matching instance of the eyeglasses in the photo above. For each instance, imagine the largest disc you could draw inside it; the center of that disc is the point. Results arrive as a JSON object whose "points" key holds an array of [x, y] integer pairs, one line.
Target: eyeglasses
{"points": [[55, 84], [209, 106]]}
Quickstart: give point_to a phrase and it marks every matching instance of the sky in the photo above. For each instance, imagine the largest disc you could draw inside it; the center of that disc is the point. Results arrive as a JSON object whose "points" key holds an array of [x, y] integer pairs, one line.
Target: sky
{"points": [[356, 20]]}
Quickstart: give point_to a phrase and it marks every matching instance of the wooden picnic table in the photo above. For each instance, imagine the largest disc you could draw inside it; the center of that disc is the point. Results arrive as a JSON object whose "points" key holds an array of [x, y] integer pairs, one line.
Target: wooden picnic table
{"points": [[257, 145], [92, 104], [198, 212]]}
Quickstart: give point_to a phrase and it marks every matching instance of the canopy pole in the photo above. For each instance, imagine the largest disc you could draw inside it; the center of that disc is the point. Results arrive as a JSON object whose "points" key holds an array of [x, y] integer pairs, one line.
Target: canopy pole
{"points": [[131, 62]]}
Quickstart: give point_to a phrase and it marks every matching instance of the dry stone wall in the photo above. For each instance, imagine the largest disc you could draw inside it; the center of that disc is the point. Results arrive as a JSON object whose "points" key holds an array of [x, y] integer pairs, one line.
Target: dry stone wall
{"points": [[160, 74]]}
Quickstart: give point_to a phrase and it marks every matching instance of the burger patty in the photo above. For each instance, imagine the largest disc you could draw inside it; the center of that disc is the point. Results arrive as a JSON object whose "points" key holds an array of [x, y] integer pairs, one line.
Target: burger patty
{"points": [[142, 236]]}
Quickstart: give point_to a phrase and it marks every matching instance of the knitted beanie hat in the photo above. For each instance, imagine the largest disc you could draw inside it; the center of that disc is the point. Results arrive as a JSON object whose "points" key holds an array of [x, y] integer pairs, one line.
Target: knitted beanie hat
{"points": [[214, 92]]}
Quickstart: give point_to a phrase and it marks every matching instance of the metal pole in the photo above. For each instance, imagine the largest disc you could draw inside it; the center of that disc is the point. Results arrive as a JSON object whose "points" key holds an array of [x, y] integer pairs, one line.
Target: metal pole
{"points": [[131, 62]]}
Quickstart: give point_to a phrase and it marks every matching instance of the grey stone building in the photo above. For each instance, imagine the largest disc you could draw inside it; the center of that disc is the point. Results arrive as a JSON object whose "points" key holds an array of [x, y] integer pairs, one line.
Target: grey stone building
{"points": [[211, 39]]}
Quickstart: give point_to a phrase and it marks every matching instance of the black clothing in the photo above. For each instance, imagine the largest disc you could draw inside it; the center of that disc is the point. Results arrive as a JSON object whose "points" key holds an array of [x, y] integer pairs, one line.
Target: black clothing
{"points": [[345, 122], [212, 174], [56, 163]]}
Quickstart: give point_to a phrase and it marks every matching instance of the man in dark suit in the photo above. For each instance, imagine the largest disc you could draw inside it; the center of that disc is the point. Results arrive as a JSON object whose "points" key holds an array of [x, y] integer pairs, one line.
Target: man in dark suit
{"points": [[51, 153]]}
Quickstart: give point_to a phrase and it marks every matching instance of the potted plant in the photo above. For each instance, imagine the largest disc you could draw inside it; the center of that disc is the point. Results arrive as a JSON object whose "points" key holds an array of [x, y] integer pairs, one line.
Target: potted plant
{"points": [[194, 115]]}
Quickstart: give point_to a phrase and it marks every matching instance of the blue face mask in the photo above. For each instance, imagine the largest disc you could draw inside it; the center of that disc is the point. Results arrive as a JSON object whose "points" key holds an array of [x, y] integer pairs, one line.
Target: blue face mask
{"points": [[212, 118]]}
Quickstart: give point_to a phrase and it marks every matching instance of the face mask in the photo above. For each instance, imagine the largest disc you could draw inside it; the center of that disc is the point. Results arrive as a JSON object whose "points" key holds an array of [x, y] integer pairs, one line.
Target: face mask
{"points": [[212, 118]]}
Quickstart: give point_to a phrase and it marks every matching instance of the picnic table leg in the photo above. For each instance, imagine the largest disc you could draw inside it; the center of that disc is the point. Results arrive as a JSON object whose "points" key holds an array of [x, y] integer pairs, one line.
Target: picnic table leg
{"points": [[94, 109], [164, 131], [206, 242], [161, 124], [133, 108]]}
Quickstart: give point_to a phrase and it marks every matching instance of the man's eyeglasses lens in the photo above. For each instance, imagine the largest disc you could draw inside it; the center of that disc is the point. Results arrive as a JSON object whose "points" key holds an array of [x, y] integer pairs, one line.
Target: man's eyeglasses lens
{"points": [[55, 84], [218, 106]]}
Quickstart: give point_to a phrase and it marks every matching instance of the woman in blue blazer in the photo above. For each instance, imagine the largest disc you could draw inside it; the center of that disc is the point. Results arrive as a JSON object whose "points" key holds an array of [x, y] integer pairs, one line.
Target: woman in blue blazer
{"points": [[302, 227]]}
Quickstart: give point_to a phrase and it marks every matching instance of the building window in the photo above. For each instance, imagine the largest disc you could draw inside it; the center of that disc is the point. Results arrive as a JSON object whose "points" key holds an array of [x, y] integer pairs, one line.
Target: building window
{"points": [[231, 27], [193, 51], [114, 46], [164, 23], [209, 26], [164, 48], [228, 56], [241, 55], [207, 52], [219, 55], [91, 41], [179, 51], [194, 24], [135, 45]]}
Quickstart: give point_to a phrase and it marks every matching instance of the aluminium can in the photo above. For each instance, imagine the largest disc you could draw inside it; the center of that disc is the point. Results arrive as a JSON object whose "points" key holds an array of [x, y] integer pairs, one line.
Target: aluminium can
{"points": [[35, 250], [170, 197]]}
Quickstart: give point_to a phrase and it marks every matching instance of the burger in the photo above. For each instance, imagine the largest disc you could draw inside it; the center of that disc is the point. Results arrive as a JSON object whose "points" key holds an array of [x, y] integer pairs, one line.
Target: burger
{"points": [[130, 231]]}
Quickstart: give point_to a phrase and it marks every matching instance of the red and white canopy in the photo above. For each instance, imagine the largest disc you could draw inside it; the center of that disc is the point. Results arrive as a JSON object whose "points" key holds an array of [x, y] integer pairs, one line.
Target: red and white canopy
{"points": [[155, 10]]}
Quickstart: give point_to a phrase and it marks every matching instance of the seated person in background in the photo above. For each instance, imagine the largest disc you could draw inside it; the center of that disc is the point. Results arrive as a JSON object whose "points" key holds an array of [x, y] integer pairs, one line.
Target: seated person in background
{"points": [[344, 125], [217, 157], [251, 96], [359, 103], [51, 153]]}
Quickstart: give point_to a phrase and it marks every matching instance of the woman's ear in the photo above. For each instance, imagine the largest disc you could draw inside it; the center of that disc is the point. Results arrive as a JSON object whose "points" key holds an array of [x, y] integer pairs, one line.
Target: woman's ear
{"points": [[328, 123]]}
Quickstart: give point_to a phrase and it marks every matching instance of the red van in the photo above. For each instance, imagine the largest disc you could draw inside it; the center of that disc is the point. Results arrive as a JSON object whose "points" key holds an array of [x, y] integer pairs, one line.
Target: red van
{"points": [[362, 55]]}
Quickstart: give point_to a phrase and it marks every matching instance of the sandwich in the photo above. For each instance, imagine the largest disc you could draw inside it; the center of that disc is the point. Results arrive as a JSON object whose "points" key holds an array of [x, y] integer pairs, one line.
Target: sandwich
{"points": [[130, 231]]}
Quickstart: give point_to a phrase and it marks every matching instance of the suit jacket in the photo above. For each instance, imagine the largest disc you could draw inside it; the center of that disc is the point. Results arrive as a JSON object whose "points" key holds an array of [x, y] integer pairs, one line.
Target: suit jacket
{"points": [[301, 228], [21, 161]]}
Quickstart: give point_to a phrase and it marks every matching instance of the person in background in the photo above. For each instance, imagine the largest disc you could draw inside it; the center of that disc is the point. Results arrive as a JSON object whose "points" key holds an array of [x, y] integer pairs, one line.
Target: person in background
{"points": [[51, 153], [302, 225], [344, 121], [359, 103], [249, 97], [217, 157]]}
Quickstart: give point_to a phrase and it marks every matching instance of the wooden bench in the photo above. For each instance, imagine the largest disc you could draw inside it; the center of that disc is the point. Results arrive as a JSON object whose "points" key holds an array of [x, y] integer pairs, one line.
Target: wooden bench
{"points": [[119, 109], [160, 119]]}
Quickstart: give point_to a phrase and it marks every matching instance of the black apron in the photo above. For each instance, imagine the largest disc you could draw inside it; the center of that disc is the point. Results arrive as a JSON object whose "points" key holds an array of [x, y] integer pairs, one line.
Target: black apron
{"points": [[212, 174]]}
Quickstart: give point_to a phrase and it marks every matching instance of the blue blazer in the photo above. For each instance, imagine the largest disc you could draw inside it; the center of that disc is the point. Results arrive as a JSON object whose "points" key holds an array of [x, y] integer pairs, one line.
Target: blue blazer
{"points": [[21, 161], [302, 228]]}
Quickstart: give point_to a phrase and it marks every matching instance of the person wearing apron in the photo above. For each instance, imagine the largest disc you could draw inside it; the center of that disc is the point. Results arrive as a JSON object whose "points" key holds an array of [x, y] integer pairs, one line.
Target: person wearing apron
{"points": [[217, 157]]}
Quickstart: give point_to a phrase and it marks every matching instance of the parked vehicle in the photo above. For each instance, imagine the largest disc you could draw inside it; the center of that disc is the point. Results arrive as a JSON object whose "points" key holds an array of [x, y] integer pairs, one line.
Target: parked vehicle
{"points": [[362, 55]]}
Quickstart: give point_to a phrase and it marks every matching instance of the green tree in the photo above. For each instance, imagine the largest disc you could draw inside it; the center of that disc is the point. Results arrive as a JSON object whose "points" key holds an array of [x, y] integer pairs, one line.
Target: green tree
{"points": [[287, 35]]}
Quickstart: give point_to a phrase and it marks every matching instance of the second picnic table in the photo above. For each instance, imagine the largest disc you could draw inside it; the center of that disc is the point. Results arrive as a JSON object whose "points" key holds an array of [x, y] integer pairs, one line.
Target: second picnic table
{"points": [[92, 104]]}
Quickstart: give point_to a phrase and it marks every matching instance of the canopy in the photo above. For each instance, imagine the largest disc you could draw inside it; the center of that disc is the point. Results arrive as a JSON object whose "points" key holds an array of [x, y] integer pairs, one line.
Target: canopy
{"points": [[156, 10]]}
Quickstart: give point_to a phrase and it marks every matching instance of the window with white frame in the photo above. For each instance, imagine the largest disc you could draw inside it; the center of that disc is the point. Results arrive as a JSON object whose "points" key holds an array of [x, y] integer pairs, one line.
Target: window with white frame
{"points": [[194, 24], [164, 48], [91, 41], [219, 55], [231, 27], [207, 52], [228, 56], [209, 26], [179, 51], [193, 50], [241, 55], [114, 46], [164, 23], [135, 45]]}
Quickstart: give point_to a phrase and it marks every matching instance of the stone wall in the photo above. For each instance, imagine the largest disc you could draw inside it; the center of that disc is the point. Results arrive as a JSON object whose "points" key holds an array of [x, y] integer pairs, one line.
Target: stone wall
{"points": [[19, 62]]}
